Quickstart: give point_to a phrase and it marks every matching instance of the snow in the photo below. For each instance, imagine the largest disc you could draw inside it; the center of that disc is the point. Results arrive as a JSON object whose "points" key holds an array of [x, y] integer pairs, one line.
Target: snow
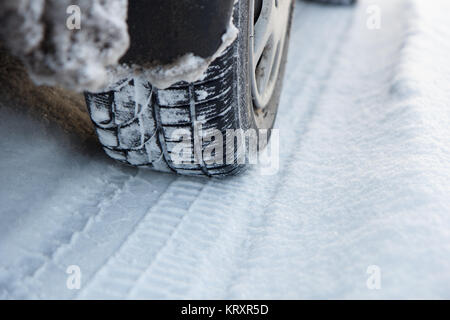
{"points": [[86, 57], [202, 94], [189, 67], [364, 180], [78, 57]]}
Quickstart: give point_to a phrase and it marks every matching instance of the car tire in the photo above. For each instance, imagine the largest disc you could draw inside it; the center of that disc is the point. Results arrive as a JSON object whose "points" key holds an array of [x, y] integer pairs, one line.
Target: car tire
{"points": [[140, 125]]}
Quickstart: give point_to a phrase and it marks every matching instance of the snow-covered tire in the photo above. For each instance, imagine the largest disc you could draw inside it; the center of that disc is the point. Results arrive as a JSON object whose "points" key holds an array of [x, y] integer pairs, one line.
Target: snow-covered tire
{"points": [[136, 122]]}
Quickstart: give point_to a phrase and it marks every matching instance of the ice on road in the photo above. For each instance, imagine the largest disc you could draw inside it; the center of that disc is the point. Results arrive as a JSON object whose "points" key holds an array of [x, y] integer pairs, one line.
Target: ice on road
{"points": [[363, 181]]}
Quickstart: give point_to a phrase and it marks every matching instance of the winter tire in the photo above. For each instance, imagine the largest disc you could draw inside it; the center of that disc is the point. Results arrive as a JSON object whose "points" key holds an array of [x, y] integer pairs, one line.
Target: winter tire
{"points": [[136, 123]]}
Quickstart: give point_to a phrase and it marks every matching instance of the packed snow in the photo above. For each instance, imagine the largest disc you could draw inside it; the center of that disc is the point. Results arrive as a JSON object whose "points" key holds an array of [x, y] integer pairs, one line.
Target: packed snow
{"points": [[189, 67], [77, 44], [363, 184], [69, 43]]}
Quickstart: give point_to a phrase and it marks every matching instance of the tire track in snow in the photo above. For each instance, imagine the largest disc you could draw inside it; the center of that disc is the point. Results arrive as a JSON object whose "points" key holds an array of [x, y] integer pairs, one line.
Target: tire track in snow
{"points": [[143, 244], [63, 246], [138, 194], [74, 222], [122, 216], [89, 245]]}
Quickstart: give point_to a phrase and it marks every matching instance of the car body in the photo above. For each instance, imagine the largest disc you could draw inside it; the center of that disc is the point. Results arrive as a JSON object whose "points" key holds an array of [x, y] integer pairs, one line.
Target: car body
{"points": [[163, 30]]}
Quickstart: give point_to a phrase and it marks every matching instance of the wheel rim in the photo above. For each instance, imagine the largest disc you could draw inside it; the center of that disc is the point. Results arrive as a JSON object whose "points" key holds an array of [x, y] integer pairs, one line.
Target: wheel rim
{"points": [[268, 34]]}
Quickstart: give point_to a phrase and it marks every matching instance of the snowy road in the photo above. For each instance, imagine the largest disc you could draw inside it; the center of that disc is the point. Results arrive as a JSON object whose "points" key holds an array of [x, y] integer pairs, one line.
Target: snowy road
{"points": [[364, 180]]}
